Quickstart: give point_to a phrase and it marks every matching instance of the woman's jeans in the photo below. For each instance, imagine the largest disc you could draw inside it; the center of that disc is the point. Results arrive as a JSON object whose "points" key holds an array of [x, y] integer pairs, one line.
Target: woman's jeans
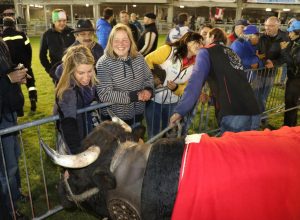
{"points": [[157, 116], [237, 123]]}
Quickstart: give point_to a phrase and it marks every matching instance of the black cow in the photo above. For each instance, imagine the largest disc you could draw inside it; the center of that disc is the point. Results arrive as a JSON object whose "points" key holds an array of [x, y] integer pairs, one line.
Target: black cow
{"points": [[122, 179]]}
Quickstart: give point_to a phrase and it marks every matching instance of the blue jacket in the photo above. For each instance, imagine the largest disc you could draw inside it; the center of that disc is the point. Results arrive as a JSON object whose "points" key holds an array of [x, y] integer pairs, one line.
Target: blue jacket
{"points": [[103, 29], [247, 52]]}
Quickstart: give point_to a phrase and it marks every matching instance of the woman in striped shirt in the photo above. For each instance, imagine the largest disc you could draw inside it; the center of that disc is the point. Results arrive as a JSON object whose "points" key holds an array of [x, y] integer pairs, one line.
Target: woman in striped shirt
{"points": [[125, 78]]}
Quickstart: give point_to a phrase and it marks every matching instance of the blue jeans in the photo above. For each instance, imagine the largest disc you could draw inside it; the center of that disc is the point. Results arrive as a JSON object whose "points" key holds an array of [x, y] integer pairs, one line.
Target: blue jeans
{"points": [[157, 117], [11, 151], [236, 123]]}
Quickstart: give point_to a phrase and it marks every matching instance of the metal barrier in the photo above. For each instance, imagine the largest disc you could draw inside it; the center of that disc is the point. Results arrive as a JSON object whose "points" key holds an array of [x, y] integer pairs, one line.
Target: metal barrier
{"points": [[36, 201], [266, 86]]}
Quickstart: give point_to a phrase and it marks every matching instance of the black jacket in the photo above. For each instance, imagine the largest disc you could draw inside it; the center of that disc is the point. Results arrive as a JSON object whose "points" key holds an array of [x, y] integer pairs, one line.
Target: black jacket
{"points": [[270, 46], [20, 50], [228, 83], [11, 97], [292, 58], [56, 43], [141, 42]]}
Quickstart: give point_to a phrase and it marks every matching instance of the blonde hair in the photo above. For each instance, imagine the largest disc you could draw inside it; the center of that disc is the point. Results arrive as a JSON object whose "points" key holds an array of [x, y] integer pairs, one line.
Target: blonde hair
{"points": [[73, 57], [133, 52]]}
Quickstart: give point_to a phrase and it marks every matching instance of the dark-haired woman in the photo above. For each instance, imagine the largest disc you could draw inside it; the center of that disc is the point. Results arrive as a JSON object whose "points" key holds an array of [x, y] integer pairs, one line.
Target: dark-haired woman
{"points": [[177, 59], [235, 102]]}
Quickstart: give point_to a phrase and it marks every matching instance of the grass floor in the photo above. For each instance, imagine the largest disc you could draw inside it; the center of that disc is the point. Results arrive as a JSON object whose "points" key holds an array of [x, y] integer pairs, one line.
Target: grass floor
{"points": [[32, 154]]}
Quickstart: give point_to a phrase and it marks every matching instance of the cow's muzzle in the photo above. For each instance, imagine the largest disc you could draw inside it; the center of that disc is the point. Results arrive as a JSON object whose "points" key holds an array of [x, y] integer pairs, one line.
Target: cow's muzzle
{"points": [[72, 161]]}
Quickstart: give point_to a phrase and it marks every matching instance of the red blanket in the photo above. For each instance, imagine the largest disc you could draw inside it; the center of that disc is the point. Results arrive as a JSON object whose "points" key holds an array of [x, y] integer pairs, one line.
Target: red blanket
{"points": [[241, 176]]}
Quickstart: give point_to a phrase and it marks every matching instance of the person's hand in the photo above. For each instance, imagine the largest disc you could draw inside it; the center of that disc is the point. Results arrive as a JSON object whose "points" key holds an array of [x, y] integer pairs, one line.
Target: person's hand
{"points": [[19, 76], [254, 66], [261, 56], [144, 95], [284, 44], [203, 98], [174, 118], [269, 64], [171, 85]]}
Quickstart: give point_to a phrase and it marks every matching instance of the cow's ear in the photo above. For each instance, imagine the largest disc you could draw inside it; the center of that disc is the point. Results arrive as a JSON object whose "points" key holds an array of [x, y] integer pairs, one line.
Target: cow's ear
{"points": [[104, 179]]}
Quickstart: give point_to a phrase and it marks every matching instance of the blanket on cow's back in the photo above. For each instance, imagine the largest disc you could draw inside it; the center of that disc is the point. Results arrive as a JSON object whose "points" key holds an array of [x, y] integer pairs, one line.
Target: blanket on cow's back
{"points": [[248, 175]]}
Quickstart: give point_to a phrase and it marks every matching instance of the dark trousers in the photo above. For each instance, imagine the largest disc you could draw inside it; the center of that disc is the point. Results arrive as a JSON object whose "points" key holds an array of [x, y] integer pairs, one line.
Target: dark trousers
{"points": [[292, 95]]}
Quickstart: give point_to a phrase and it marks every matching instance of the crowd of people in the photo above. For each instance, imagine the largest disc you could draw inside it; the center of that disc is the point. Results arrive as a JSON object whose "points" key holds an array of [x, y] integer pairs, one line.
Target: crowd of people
{"points": [[124, 67]]}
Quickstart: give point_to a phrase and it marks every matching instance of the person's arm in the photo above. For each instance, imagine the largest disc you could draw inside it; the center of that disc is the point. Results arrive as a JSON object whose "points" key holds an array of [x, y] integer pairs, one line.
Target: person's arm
{"points": [[149, 41], [192, 91], [180, 88], [67, 108], [158, 56], [43, 53], [105, 88], [148, 80]]}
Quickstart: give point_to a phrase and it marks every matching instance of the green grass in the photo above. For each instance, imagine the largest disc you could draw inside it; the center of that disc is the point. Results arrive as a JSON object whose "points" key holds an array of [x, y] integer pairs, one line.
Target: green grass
{"points": [[45, 89]]}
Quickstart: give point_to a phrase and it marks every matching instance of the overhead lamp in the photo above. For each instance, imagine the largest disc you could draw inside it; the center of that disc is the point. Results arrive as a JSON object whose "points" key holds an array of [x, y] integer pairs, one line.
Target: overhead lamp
{"points": [[286, 9], [181, 6], [87, 5], [268, 9], [134, 6]]}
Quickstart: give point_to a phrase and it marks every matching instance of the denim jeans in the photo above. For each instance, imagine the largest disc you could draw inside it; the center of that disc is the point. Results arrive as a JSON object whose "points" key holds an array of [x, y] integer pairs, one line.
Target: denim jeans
{"points": [[157, 116], [237, 123], [11, 151]]}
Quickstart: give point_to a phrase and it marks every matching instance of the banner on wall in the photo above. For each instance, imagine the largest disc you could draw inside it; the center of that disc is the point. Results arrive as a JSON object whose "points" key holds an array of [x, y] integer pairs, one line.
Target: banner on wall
{"points": [[275, 1], [219, 13]]}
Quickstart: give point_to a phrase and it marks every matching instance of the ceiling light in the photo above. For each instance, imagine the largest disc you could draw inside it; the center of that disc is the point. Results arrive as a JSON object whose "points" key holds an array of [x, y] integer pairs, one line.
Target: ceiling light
{"points": [[134, 6], [181, 6], [87, 5], [286, 9], [268, 9]]}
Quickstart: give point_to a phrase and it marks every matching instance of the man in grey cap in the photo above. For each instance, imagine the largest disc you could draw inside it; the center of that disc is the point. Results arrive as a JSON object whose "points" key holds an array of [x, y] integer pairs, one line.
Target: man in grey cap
{"points": [[149, 38]]}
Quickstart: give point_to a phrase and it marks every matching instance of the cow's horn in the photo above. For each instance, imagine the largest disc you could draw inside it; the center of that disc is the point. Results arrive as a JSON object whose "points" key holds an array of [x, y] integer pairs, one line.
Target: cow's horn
{"points": [[119, 121], [72, 161]]}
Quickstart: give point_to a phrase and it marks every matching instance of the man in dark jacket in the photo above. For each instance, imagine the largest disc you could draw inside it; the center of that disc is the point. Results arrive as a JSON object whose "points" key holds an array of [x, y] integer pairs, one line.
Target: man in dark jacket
{"points": [[269, 52], [291, 53], [124, 19], [149, 38], [21, 53], [84, 33], [11, 102], [55, 40]]}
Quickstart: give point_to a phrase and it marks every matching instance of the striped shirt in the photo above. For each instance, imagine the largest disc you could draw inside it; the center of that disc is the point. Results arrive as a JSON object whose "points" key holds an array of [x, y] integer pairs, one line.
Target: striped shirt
{"points": [[118, 79]]}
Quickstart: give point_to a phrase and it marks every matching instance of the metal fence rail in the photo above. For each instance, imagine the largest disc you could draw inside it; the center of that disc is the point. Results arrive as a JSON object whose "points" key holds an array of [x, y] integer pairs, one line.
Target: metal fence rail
{"points": [[266, 86]]}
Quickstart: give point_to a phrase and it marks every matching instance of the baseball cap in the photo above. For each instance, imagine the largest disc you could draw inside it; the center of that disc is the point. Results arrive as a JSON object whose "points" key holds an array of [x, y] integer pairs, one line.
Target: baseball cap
{"points": [[294, 26], [241, 22], [150, 15], [250, 29]]}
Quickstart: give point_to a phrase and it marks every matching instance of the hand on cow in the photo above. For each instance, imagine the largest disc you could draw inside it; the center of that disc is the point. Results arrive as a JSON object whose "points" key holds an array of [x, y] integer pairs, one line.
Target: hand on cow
{"points": [[175, 118], [144, 95], [269, 64]]}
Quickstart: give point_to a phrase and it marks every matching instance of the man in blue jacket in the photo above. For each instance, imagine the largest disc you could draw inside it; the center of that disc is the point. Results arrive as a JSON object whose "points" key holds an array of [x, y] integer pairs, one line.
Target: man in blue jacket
{"points": [[103, 26], [245, 47]]}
